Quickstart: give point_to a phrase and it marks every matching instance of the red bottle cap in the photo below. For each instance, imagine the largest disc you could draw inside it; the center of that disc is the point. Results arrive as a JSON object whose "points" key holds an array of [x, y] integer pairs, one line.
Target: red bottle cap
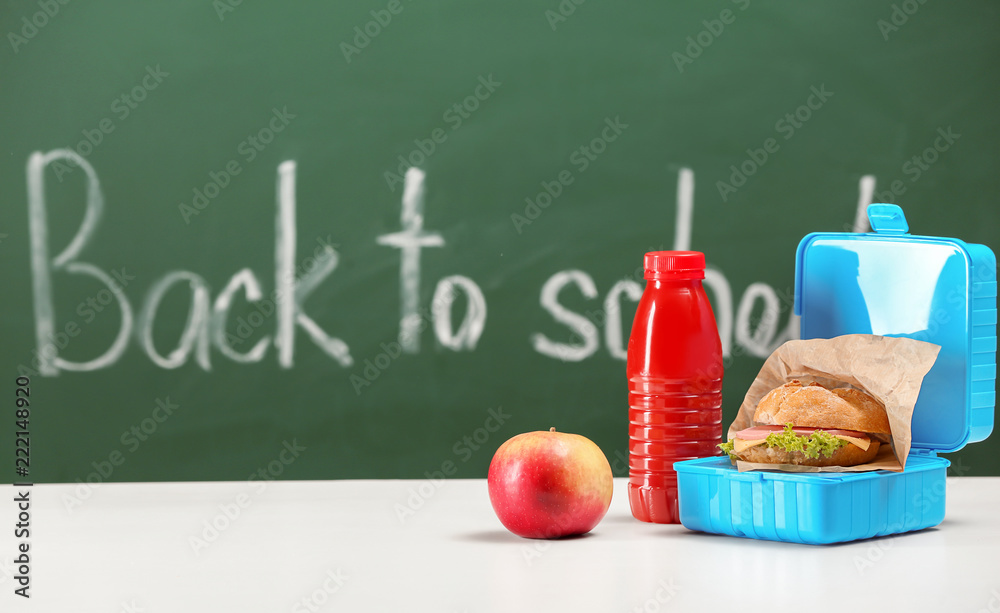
{"points": [[675, 265]]}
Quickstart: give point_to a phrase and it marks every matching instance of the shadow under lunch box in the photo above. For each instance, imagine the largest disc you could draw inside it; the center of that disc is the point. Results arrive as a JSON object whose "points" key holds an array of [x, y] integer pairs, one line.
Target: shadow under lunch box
{"points": [[887, 282]]}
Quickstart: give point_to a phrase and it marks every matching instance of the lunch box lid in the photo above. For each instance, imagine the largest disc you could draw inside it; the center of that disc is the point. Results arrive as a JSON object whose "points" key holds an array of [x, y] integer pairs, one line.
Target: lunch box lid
{"points": [[891, 283]]}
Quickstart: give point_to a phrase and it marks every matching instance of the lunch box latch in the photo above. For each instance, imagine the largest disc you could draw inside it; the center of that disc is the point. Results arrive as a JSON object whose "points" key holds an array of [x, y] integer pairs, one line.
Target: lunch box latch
{"points": [[887, 219]]}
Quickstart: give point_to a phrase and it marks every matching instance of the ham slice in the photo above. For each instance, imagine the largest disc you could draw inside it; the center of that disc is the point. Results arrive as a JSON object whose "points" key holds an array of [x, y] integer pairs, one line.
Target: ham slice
{"points": [[751, 437], [759, 432]]}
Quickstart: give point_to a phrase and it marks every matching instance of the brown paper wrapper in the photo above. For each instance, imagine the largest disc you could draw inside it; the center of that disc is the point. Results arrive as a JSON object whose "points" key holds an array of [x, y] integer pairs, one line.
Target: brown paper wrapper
{"points": [[890, 369]]}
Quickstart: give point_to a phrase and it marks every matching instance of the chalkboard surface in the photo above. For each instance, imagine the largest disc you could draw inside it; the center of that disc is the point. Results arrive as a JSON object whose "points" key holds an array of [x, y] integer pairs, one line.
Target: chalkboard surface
{"points": [[376, 239]]}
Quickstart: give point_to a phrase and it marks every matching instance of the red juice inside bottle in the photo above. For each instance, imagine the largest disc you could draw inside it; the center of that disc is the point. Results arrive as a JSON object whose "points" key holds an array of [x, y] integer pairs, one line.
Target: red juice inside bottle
{"points": [[674, 382]]}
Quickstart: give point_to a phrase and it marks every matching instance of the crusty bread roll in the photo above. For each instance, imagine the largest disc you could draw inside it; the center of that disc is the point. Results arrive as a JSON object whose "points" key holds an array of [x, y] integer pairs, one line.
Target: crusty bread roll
{"points": [[848, 455], [814, 406]]}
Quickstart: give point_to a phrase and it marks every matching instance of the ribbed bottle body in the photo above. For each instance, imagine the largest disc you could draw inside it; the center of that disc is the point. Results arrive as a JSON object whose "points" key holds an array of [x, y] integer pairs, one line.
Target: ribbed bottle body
{"points": [[675, 392]]}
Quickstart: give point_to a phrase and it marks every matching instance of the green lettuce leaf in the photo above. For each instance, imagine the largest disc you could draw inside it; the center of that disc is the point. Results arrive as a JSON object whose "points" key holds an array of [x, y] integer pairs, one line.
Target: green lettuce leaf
{"points": [[813, 446], [728, 448]]}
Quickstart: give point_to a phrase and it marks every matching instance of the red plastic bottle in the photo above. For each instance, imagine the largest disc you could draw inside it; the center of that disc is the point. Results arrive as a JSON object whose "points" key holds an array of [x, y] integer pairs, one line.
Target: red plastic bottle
{"points": [[674, 382]]}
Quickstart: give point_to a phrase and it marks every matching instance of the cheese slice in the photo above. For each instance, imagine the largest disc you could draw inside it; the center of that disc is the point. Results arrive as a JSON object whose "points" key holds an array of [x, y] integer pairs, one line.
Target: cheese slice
{"points": [[864, 443], [740, 445]]}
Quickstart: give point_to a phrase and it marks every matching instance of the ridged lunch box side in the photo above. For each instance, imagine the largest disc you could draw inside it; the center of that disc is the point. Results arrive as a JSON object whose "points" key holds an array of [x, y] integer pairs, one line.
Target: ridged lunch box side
{"points": [[810, 508], [984, 342]]}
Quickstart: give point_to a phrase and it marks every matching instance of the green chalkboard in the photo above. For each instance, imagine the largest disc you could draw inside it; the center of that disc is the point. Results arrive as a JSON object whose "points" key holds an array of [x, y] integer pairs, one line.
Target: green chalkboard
{"points": [[376, 239]]}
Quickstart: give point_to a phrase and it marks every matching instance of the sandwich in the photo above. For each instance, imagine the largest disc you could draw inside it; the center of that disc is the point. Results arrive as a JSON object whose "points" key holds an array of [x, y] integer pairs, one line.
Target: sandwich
{"points": [[811, 425]]}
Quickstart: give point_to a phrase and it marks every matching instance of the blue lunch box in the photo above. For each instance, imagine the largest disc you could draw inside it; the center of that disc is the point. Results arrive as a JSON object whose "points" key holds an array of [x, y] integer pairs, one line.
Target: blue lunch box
{"points": [[891, 283]]}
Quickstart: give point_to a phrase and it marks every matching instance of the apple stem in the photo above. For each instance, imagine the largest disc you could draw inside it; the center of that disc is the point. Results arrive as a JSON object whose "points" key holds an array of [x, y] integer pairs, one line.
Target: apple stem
{"points": [[552, 429]]}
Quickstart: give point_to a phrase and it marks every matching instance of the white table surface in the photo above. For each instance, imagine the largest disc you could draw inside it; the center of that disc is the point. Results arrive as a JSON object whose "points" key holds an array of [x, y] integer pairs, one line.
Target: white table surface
{"points": [[128, 548]]}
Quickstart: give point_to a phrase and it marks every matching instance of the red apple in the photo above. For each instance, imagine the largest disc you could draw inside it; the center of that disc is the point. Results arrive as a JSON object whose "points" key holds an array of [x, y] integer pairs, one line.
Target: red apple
{"points": [[550, 484]]}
